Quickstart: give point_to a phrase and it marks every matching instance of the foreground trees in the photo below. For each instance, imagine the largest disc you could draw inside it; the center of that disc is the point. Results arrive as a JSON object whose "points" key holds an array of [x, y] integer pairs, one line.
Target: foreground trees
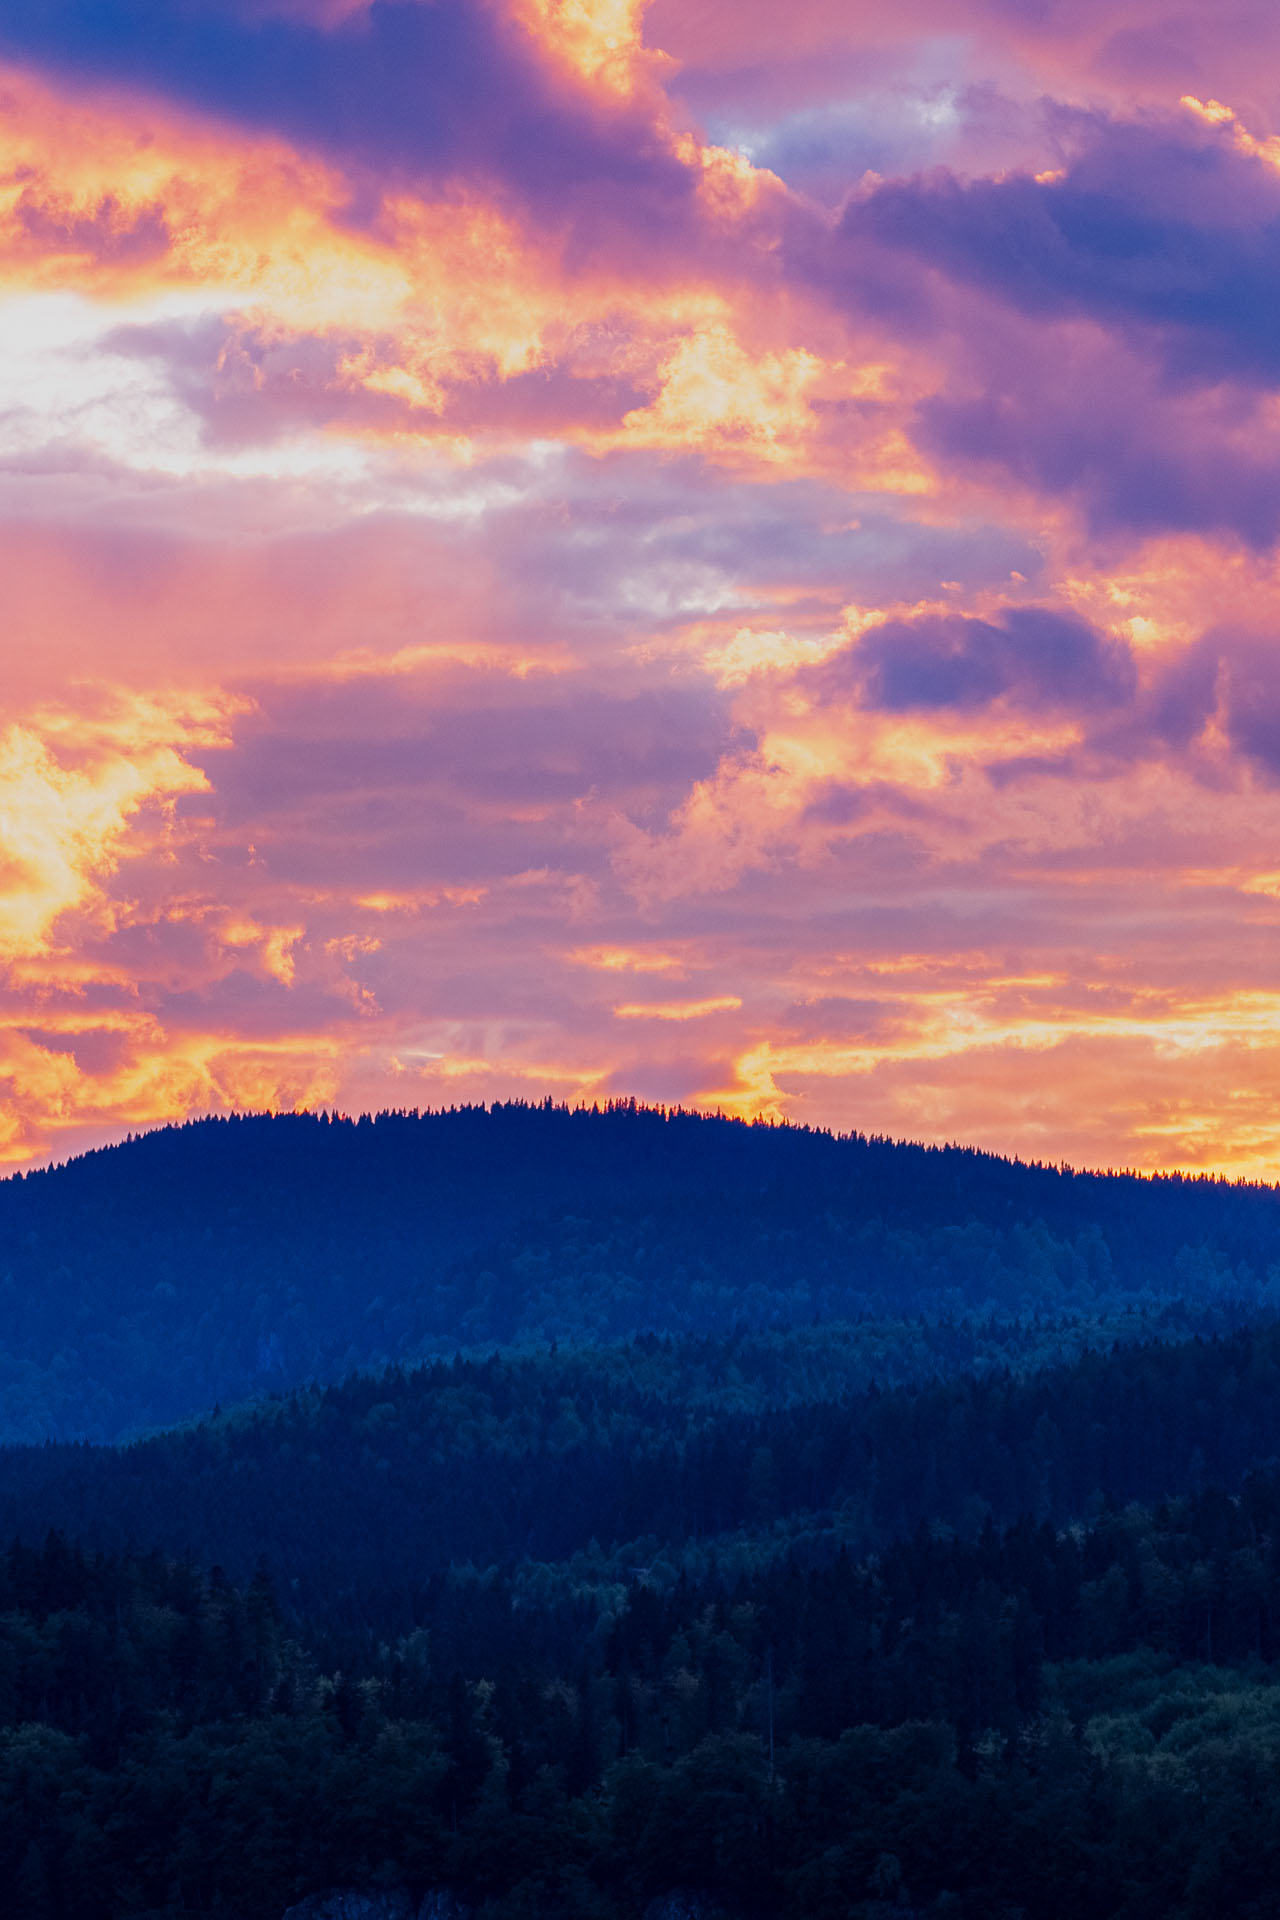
{"points": [[1027, 1723]]}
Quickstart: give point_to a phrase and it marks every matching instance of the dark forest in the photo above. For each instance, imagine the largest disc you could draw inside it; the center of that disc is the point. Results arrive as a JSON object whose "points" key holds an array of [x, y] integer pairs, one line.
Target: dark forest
{"points": [[619, 1514]]}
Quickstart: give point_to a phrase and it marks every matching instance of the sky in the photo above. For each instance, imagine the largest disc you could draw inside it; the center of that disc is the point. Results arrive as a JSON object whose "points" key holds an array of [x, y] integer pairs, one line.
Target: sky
{"points": [[709, 551]]}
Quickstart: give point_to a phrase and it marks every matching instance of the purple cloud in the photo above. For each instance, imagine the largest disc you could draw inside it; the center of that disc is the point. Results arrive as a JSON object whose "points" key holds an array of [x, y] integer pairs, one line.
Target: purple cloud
{"points": [[397, 89], [1034, 655], [1149, 227], [1095, 427], [458, 775]]}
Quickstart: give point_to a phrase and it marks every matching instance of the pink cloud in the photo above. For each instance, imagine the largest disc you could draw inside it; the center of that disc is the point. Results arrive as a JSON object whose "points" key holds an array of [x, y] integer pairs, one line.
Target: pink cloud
{"points": [[528, 601]]}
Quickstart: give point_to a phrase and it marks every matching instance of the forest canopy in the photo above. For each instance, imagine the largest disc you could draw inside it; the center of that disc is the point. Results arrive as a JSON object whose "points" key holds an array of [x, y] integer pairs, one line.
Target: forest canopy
{"points": [[634, 1516], [230, 1257]]}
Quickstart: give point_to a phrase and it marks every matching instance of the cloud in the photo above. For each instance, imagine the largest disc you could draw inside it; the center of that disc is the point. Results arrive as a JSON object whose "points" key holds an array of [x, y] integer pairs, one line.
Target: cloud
{"points": [[326, 774], [1099, 334], [1244, 667], [503, 594], [397, 88], [68, 806], [1160, 229], [1035, 656], [758, 58], [438, 882], [1084, 422]]}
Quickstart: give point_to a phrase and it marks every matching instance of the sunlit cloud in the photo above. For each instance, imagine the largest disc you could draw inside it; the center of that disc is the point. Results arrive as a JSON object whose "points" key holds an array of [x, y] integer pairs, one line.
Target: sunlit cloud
{"points": [[724, 555], [72, 788], [676, 1009]]}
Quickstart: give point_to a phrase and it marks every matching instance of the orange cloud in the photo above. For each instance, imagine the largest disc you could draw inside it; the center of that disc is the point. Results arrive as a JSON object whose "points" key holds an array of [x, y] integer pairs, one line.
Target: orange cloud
{"points": [[416, 617], [625, 960], [71, 792], [414, 327], [53, 1104], [601, 41], [677, 1009]]}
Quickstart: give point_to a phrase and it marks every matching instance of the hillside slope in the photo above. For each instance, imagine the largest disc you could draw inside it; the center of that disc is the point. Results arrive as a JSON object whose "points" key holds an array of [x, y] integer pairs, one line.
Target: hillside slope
{"points": [[575, 1467], [784, 1560], [974, 1722], [228, 1258]]}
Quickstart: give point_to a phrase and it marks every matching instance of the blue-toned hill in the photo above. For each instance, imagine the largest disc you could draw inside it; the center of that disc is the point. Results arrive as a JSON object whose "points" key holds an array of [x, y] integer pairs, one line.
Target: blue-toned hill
{"points": [[229, 1257]]}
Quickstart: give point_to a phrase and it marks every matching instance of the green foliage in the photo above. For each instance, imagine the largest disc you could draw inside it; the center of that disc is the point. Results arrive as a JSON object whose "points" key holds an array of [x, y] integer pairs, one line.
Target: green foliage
{"points": [[923, 1732]]}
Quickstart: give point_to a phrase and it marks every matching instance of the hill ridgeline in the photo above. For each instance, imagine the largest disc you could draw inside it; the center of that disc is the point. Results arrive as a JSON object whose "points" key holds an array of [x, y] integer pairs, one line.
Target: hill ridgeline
{"points": [[228, 1258]]}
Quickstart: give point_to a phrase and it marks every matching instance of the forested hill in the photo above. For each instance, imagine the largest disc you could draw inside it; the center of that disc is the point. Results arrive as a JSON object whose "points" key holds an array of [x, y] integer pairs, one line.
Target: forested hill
{"points": [[624, 1516], [578, 1468], [983, 1722], [1030, 1725], [226, 1258]]}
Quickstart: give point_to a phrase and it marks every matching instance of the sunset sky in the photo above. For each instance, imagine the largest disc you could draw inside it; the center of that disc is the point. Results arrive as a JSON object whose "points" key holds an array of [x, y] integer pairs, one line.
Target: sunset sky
{"points": [[717, 551]]}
